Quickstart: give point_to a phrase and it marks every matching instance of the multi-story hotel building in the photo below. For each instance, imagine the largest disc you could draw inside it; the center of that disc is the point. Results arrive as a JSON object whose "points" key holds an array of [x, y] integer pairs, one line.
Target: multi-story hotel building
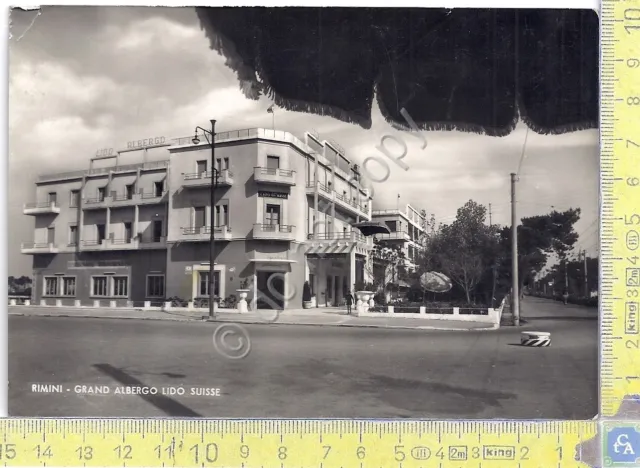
{"points": [[284, 213], [406, 230]]}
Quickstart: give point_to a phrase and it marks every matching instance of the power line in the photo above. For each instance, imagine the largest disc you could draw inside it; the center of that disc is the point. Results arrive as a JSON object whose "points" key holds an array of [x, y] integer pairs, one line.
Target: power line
{"points": [[524, 147]]}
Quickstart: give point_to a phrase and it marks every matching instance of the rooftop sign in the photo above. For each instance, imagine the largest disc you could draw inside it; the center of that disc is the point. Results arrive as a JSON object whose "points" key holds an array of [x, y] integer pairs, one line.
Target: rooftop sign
{"points": [[146, 142]]}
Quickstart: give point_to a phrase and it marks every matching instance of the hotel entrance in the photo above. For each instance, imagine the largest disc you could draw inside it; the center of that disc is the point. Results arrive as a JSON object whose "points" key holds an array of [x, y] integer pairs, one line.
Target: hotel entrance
{"points": [[270, 287]]}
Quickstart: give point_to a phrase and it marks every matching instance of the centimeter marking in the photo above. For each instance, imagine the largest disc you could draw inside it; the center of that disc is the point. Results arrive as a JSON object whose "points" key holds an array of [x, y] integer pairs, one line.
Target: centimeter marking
{"points": [[292, 443], [620, 195]]}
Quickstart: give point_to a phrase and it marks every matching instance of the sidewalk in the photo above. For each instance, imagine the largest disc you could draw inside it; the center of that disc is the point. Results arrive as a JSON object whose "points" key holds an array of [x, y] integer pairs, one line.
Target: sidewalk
{"points": [[316, 316]]}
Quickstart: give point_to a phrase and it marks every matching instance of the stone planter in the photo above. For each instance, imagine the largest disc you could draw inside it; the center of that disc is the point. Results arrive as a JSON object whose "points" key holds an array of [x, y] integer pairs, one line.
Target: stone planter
{"points": [[362, 305], [306, 304], [242, 301]]}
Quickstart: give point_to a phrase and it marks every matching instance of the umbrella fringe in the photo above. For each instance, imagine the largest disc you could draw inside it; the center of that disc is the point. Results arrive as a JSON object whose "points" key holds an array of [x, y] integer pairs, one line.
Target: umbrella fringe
{"points": [[252, 88], [447, 126]]}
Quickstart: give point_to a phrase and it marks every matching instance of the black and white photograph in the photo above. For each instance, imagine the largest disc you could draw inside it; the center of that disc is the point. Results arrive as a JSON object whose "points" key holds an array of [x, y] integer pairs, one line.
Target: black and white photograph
{"points": [[303, 212]]}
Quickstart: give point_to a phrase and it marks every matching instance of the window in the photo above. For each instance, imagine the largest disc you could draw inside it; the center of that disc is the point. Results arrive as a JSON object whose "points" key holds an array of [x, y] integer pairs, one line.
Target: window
{"points": [[158, 188], [100, 233], [110, 286], [129, 191], [225, 163], [199, 216], [51, 235], [272, 216], [155, 286], [218, 165], [201, 167], [273, 162], [222, 215], [391, 225], [74, 198], [120, 286], [53, 197], [51, 286], [73, 235], [128, 231], [99, 286], [101, 193], [60, 286], [69, 286], [157, 230], [203, 289]]}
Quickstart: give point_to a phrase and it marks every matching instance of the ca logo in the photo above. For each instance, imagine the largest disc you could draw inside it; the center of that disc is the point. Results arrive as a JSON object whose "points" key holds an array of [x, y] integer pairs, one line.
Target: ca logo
{"points": [[622, 443]]}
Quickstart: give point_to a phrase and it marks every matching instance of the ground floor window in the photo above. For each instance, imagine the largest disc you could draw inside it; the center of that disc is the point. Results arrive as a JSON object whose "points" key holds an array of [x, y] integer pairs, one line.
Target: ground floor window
{"points": [[69, 286], [110, 286], [60, 286], [155, 286], [99, 286], [51, 286], [120, 286], [203, 286]]}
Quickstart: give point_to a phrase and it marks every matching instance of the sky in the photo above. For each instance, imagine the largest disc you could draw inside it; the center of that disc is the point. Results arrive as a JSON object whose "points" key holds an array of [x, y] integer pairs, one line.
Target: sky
{"points": [[85, 78]]}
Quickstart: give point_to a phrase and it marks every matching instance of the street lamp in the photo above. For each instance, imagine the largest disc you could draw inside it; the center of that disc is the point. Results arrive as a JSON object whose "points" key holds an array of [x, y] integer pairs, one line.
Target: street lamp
{"points": [[214, 184]]}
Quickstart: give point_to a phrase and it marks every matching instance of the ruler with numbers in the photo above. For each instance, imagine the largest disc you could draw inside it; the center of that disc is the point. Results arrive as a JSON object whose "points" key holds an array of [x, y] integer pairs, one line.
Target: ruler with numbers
{"points": [[292, 443], [620, 195]]}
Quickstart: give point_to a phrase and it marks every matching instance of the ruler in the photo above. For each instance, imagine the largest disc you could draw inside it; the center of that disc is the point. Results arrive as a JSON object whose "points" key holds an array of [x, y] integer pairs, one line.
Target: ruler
{"points": [[292, 443], [620, 198]]}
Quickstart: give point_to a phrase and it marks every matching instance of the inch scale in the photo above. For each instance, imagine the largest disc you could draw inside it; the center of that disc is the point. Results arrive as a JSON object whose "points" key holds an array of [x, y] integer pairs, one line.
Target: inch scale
{"points": [[620, 195], [405, 444]]}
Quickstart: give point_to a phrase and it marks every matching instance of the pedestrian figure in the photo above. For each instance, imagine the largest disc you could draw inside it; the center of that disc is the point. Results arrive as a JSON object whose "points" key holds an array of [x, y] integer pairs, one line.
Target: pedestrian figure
{"points": [[349, 299], [565, 296]]}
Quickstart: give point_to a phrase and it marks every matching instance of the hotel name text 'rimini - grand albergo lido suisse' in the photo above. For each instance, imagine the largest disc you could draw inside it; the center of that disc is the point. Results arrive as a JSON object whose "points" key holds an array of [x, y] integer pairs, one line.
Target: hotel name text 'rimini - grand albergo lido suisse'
{"points": [[134, 232]]}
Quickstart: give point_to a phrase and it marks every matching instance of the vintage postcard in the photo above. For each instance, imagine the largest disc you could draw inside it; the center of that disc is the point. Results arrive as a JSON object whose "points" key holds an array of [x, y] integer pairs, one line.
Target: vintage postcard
{"points": [[303, 212]]}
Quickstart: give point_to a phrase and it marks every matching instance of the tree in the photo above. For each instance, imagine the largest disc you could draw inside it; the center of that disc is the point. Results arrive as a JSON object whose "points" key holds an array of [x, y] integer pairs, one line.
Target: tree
{"points": [[387, 264], [464, 249], [538, 238]]}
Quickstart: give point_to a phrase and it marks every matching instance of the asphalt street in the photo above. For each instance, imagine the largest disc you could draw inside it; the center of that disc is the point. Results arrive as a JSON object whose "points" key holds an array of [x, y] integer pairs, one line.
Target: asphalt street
{"points": [[307, 371]]}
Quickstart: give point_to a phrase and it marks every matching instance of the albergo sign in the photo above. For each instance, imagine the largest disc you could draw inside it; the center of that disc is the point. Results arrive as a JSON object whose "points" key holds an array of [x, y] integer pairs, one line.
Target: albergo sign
{"points": [[145, 142]]}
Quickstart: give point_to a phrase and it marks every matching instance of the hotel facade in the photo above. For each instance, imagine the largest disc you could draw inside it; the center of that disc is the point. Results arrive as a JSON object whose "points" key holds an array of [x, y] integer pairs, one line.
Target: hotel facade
{"points": [[284, 213]]}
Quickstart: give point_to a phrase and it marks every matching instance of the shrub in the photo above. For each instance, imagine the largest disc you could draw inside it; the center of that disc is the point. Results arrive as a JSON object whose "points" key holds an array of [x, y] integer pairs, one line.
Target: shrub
{"points": [[306, 292]]}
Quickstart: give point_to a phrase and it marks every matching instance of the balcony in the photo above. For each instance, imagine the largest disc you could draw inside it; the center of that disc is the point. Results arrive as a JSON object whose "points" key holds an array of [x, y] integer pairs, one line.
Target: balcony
{"points": [[274, 176], [96, 203], [151, 243], [273, 232], [323, 190], [121, 199], [38, 248], [203, 179], [396, 235], [203, 233], [329, 237], [109, 244], [41, 208], [152, 198]]}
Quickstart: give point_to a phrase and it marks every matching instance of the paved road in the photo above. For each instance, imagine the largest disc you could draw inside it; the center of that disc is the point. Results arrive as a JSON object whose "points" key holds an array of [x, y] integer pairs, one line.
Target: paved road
{"points": [[302, 371]]}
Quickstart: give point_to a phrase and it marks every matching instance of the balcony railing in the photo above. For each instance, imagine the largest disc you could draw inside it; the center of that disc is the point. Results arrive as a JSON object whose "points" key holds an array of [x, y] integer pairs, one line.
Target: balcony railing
{"points": [[41, 208], [203, 179], [38, 247], [203, 233], [395, 235], [273, 231], [270, 175], [352, 236]]}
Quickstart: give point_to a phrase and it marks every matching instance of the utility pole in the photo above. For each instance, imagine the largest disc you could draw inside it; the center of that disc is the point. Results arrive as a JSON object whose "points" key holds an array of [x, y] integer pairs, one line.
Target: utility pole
{"points": [[586, 282], [490, 223], [515, 295]]}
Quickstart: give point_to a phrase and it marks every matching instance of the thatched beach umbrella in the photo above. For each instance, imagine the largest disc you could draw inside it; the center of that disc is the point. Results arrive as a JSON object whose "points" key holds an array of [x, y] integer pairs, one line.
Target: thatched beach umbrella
{"points": [[474, 70]]}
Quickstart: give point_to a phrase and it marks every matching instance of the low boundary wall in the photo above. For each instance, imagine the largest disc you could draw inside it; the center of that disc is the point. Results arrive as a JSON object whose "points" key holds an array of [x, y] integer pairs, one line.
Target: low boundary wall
{"points": [[484, 315]]}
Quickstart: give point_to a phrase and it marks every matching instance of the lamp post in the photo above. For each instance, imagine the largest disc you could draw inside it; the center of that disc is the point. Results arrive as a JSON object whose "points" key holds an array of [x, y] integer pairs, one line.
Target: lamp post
{"points": [[214, 184]]}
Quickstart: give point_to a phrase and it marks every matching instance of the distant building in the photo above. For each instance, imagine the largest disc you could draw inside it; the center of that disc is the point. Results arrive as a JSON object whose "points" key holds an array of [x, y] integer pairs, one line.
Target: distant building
{"points": [[284, 211], [407, 231]]}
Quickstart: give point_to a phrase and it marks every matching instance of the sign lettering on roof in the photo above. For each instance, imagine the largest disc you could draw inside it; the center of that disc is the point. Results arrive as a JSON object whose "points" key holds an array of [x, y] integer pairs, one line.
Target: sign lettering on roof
{"points": [[146, 142]]}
